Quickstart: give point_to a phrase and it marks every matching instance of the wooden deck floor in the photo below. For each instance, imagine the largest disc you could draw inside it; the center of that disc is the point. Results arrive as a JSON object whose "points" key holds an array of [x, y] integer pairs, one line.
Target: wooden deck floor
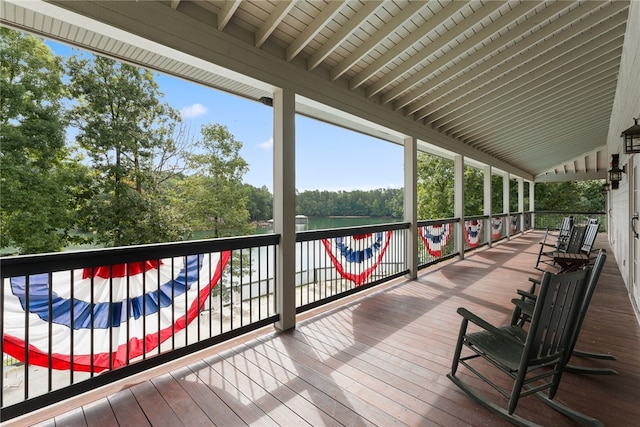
{"points": [[381, 359]]}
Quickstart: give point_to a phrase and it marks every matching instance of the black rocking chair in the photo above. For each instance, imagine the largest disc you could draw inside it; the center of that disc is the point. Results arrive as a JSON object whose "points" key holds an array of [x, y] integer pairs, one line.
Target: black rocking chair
{"points": [[533, 358], [523, 311]]}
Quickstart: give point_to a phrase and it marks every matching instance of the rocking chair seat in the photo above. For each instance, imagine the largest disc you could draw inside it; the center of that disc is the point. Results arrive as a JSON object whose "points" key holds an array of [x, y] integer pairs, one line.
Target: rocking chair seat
{"points": [[502, 343]]}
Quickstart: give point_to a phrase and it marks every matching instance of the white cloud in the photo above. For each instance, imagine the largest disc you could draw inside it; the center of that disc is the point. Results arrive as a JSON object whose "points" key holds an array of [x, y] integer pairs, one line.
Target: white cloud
{"points": [[267, 145], [193, 111]]}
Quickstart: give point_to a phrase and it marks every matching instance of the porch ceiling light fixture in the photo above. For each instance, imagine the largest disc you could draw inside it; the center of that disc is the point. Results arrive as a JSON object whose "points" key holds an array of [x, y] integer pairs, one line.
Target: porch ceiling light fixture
{"points": [[632, 138], [615, 173], [266, 101]]}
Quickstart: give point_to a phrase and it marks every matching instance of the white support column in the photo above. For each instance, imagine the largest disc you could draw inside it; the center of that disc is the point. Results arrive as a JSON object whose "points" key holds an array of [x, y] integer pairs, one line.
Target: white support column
{"points": [[487, 202], [411, 203], [521, 203], [284, 205], [458, 201], [532, 203], [505, 204]]}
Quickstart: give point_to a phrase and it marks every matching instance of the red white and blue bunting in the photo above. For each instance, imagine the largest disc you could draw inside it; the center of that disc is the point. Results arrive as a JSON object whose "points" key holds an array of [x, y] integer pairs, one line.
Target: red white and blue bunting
{"points": [[514, 224], [473, 232], [435, 237], [102, 318], [496, 228], [356, 257]]}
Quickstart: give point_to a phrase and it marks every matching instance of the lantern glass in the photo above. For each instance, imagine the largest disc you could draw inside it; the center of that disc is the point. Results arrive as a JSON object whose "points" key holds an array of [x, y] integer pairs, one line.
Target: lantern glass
{"points": [[632, 144], [615, 174], [632, 138]]}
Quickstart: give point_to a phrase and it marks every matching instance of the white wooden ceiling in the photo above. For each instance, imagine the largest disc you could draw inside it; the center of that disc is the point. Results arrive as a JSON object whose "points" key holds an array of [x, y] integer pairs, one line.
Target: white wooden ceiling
{"points": [[530, 84]]}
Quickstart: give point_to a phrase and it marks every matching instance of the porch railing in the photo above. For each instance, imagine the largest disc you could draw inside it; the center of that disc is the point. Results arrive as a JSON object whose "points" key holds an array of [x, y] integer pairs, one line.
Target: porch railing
{"points": [[75, 321], [553, 219], [334, 263]]}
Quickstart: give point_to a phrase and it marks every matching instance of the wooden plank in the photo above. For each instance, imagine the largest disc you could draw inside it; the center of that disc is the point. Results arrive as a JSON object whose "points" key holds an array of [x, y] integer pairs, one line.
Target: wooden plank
{"points": [[156, 409], [100, 414], [185, 408], [205, 398], [75, 417], [247, 410], [126, 409]]}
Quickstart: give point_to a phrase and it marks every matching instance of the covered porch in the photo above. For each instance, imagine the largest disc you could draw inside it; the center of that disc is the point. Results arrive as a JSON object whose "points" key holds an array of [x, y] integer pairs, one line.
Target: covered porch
{"points": [[378, 358]]}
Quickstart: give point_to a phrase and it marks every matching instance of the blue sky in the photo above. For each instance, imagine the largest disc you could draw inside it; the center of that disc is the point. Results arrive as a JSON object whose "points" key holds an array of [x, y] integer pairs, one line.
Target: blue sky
{"points": [[327, 157]]}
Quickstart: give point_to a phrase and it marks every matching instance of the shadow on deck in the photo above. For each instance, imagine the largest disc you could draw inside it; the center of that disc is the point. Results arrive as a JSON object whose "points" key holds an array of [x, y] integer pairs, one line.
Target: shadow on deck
{"points": [[376, 359]]}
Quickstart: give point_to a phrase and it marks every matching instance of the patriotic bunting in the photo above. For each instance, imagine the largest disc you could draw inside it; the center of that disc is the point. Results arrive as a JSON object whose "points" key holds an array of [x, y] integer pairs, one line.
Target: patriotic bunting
{"points": [[514, 224], [472, 232], [356, 257], [101, 318], [435, 237], [496, 228]]}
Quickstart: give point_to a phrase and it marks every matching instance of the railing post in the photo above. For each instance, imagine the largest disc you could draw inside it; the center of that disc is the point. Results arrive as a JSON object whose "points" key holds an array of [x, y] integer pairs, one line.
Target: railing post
{"points": [[505, 204], [284, 205], [487, 203], [521, 203], [458, 201], [532, 204], [411, 204]]}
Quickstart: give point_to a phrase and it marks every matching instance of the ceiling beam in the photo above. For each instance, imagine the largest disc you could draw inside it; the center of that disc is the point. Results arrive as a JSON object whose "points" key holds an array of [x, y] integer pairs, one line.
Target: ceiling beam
{"points": [[477, 43], [313, 28], [345, 31], [275, 17], [375, 39], [501, 62], [547, 64], [227, 11], [407, 43], [440, 43], [523, 106]]}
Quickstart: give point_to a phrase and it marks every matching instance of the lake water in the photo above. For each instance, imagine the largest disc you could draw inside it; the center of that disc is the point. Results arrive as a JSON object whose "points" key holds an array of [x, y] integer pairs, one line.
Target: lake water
{"points": [[324, 223]]}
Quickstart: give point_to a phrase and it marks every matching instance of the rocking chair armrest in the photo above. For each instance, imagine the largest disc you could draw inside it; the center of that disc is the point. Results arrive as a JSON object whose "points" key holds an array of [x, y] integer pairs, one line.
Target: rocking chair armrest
{"points": [[526, 294], [534, 282], [466, 314]]}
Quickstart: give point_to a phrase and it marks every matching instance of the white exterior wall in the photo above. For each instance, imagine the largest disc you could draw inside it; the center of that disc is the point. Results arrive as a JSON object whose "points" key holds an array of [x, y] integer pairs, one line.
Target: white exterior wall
{"points": [[626, 107]]}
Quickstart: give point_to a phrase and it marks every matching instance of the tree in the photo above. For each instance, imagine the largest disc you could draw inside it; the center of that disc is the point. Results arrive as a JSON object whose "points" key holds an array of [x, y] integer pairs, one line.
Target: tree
{"points": [[497, 182], [128, 135], [214, 197], [36, 176], [259, 203], [435, 187], [473, 191], [570, 196]]}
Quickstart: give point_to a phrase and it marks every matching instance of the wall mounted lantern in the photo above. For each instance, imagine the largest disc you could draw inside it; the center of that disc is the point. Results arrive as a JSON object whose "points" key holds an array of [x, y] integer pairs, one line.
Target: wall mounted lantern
{"points": [[632, 138], [615, 173]]}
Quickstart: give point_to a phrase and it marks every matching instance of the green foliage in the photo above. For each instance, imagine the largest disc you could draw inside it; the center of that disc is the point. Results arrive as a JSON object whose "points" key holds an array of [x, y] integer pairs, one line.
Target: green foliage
{"points": [[259, 203], [124, 128], [36, 179], [570, 196], [497, 201], [435, 187], [473, 191], [215, 199], [375, 203]]}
